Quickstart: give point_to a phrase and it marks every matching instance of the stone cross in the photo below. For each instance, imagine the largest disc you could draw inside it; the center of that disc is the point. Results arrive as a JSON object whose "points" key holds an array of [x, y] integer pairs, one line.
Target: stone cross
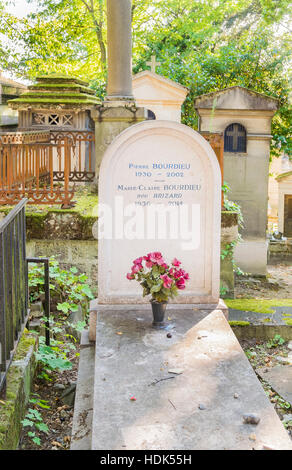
{"points": [[235, 133], [153, 64]]}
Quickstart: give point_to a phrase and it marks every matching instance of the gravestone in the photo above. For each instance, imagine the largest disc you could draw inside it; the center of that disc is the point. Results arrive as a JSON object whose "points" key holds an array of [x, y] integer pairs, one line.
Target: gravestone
{"points": [[159, 190]]}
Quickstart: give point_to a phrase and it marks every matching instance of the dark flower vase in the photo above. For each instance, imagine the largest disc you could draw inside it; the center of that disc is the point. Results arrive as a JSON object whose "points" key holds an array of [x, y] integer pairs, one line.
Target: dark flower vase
{"points": [[158, 310]]}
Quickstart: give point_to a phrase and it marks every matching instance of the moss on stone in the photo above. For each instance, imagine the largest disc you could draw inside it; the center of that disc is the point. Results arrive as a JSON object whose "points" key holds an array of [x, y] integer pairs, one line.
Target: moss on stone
{"points": [[49, 222], [257, 305], [57, 86], [238, 323], [229, 219], [57, 89], [13, 407], [61, 100], [60, 78], [27, 341], [34, 223], [48, 95]]}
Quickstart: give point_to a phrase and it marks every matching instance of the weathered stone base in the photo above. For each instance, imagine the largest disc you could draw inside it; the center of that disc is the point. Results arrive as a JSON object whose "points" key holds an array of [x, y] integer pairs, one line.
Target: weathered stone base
{"points": [[187, 391], [280, 252], [19, 381], [95, 309], [261, 332]]}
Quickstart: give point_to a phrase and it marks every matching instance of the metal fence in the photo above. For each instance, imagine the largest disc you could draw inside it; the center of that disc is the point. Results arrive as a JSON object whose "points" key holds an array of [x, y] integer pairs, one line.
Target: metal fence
{"points": [[13, 285], [45, 167]]}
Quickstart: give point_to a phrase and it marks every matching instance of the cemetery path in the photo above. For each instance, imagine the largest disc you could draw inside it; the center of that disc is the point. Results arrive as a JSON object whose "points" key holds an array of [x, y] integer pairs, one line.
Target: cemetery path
{"points": [[278, 284]]}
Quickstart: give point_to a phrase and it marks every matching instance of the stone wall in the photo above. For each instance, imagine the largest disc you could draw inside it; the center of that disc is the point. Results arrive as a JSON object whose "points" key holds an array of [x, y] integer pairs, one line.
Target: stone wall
{"points": [[19, 381], [79, 253], [280, 252]]}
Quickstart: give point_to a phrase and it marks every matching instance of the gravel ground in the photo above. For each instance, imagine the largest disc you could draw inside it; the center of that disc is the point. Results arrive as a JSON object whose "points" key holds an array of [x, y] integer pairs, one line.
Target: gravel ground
{"points": [[278, 284], [261, 355]]}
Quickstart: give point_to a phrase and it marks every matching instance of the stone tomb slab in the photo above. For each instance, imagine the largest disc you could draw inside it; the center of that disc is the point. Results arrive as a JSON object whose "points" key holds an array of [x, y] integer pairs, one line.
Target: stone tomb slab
{"points": [[193, 409], [280, 379]]}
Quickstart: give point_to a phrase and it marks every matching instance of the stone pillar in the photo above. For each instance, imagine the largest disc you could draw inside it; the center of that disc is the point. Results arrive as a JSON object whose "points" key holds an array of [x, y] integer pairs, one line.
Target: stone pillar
{"points": [[110, 121], [119, 110], [119, 45]]}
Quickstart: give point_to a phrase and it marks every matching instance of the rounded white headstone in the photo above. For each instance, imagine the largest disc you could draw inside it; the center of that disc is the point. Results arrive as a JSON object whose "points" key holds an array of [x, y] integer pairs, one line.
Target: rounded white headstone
{"points": [[159, 190]]}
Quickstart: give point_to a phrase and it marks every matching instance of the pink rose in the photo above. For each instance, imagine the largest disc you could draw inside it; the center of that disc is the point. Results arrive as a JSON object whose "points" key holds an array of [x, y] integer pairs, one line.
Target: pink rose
{"points": [[138, 261], [176, 262], [136, 268], [167, 281], [177, 273], [180, 284], [156, 258], [130, 276], [181, 273]]}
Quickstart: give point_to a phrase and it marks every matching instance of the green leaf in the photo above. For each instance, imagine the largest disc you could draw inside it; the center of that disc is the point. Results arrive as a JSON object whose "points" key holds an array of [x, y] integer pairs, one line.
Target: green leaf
{"points": [[42, 427], [156, 288], [27, 422], [37, 441], [63, 307]]}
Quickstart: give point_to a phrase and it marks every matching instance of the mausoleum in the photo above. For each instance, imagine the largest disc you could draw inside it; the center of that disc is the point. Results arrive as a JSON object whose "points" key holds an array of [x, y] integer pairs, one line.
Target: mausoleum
{"points": [[56, 101], [244, 117], [162, 96]]}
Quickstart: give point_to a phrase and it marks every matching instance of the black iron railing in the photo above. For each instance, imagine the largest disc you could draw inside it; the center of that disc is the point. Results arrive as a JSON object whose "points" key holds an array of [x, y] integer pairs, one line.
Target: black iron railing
{"points": [[45, 262], [13, 286]]}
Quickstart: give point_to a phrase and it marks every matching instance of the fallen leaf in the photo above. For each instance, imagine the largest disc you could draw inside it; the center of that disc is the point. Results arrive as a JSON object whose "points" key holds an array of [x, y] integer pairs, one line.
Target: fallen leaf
{"points": [[119, 333], [67, 439], [56, 443], [252, 437]]}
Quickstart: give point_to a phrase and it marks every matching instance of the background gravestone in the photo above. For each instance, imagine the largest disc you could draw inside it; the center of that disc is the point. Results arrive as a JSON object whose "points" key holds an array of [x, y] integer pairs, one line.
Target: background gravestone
{"points": [[151, 164]]}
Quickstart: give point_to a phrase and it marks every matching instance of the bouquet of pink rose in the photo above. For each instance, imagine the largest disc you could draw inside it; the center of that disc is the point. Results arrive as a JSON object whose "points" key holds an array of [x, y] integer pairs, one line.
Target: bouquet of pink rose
{"points": [[158, 278]]}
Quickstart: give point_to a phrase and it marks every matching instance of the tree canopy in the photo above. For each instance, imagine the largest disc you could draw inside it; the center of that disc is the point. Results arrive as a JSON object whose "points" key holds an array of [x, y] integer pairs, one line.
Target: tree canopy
{"points": [[205, 45]]}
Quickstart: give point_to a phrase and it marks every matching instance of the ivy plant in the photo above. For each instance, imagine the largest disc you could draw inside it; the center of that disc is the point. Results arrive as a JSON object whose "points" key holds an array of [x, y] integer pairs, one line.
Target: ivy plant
{"points": [[68, 288]]}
